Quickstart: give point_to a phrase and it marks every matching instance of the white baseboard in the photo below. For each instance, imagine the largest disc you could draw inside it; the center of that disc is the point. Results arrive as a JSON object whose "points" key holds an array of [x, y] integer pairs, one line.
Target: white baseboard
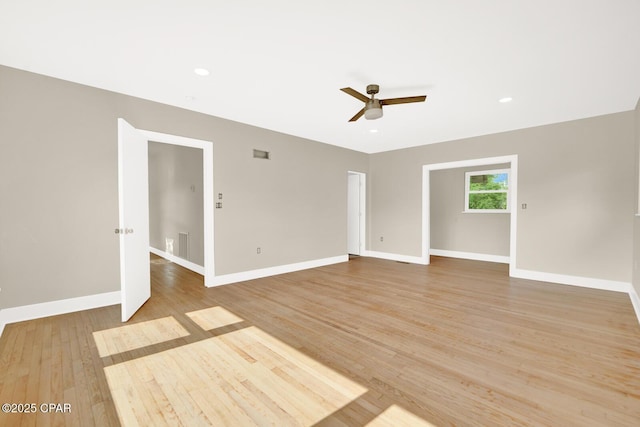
{"points": [[585, 282], [177, 260], [470, 255], [635, 301], [52, 308], [395, 257], [226, 279]]}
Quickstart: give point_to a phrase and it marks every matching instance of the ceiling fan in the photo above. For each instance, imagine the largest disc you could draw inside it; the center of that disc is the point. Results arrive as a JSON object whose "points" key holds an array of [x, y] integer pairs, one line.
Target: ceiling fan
{"points": [[373, 107]]}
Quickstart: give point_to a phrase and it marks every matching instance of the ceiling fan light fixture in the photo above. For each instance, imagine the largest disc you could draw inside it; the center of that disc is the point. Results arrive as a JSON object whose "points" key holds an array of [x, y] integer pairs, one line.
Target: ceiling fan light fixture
{"points": [[373, 107], [373, 113], [373, 110]]}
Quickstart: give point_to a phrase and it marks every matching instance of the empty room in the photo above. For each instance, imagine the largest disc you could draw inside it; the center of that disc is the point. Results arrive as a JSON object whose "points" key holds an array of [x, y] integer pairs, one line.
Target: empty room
{"points": [[411, 213]]}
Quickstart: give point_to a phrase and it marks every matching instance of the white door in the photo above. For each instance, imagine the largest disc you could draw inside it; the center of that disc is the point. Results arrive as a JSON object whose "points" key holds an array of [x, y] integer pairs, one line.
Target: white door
{"points": [[353, 214], [133, 189]]}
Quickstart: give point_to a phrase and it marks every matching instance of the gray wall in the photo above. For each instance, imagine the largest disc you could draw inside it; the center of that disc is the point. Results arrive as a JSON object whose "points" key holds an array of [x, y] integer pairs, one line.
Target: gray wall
{"points": [[576, 177], [176, 198], [454, 230], [59, 198], [59, 189]]}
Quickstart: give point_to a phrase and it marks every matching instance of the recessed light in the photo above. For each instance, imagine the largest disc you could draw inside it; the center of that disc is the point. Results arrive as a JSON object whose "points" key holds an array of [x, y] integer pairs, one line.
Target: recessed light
{"points": [[505, 99], [201, 71], [373, 130]]}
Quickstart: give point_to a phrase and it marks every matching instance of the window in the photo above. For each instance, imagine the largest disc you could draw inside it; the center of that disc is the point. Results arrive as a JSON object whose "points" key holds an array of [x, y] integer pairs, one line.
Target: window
{"points": [[487, 191]]}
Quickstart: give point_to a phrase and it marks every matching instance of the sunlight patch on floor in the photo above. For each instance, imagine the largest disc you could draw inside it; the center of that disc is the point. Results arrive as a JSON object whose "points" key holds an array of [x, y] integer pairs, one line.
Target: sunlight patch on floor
{"points": [[137, 335], [395, 416], [242, 378], [214, 317]]}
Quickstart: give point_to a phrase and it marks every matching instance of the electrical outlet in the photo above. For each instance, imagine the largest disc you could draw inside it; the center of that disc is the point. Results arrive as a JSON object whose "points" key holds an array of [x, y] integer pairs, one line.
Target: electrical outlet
{"points": [[258, 251], [381, 238]]}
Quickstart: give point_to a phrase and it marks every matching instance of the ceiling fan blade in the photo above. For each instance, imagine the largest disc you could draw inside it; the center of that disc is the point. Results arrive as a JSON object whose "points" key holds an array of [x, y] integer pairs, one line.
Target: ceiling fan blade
{"points": [[357, 116], [355, 94], [404, 100]]}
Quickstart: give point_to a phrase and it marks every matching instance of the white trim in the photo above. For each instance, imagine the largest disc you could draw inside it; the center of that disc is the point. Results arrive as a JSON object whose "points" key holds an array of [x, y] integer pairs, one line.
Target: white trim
{"points": [[174, 139], [426, 213], [563, 279], [207, 185], [177, 260], [470, 255], [53, 308], [395, 257], [226, 279], [635, 301]]}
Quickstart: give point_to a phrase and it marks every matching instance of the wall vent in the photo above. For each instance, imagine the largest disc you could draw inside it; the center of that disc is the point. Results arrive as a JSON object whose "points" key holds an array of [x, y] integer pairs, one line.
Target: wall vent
{"points": [[183, 245], [259, 154]]}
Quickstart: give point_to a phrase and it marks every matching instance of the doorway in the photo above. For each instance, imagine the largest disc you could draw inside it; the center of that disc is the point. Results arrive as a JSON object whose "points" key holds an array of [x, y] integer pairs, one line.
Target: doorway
{"points": [[356, 215], [207, 185], [426, 205], [176, 197]]}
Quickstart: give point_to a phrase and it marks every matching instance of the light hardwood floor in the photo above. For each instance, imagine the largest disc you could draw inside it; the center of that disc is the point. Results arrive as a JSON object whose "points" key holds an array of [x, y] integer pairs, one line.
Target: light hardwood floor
{"points": [[368, 342]]}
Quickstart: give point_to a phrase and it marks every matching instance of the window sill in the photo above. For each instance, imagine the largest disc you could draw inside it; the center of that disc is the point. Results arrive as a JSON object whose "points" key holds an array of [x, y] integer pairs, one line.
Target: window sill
{"points": [[486, 211]]}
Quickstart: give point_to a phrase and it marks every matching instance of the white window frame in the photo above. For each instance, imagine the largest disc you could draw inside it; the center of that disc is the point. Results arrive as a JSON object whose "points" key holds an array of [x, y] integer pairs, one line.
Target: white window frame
{"points": [[467, 191]]}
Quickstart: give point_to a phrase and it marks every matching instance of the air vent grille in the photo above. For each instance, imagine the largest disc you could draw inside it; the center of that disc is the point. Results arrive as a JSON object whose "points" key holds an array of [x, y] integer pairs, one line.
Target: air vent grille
{"points": [[260, 154]]}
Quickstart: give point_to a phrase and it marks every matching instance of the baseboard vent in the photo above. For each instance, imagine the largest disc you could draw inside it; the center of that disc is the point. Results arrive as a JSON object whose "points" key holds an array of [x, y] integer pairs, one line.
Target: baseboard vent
{"points": [[183, 245]]}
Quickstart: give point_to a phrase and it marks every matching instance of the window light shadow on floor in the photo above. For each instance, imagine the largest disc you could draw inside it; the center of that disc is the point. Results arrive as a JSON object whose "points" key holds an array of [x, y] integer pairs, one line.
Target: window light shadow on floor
{"points": [[244, 377], [213, 317], [138, 335], [395, 416]]}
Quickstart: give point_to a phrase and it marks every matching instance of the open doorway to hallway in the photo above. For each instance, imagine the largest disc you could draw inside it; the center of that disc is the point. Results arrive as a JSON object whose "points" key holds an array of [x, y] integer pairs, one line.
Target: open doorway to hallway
{"points": [[176, 204], [356, 215]]}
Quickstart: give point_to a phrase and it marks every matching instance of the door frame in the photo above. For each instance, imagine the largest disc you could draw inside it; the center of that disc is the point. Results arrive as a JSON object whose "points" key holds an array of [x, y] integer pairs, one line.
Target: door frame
{"points": [[363, 210], [426, 203], [207, 185]]}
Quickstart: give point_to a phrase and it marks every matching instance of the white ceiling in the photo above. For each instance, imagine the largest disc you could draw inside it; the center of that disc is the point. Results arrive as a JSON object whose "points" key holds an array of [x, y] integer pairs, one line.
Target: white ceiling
{"points": [[279, 64]]}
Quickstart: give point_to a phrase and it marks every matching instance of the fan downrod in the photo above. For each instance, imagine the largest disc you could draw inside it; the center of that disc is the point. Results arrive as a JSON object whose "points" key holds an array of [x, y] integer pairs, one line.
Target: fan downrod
{"points": [[373, 89]]}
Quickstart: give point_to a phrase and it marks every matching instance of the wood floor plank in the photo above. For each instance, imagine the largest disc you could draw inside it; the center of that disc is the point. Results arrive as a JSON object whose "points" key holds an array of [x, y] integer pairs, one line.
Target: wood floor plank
{"points": [[368, 342]]}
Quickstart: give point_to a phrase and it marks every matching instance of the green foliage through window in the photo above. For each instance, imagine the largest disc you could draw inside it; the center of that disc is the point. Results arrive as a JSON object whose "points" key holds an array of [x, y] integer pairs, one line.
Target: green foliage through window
{"points": [[487, 191], [488, 201]]}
